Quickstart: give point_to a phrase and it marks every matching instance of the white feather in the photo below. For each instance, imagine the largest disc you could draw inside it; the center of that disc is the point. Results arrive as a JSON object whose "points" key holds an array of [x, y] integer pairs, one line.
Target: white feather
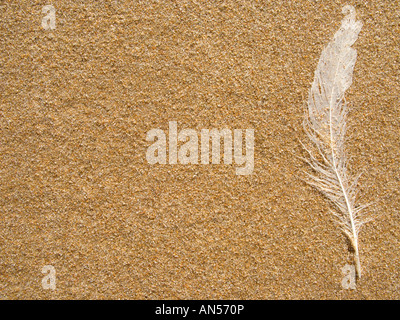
{"points": [[326, 127]]}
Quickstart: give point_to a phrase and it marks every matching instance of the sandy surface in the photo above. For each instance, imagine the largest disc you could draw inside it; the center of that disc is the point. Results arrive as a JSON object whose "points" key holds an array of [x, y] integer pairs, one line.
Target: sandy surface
{"points": [[76, 191]]}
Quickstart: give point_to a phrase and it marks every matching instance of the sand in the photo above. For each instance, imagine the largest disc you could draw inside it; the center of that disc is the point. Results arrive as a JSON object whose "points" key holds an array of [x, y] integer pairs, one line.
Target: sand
{"points": [[76, 190]]}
